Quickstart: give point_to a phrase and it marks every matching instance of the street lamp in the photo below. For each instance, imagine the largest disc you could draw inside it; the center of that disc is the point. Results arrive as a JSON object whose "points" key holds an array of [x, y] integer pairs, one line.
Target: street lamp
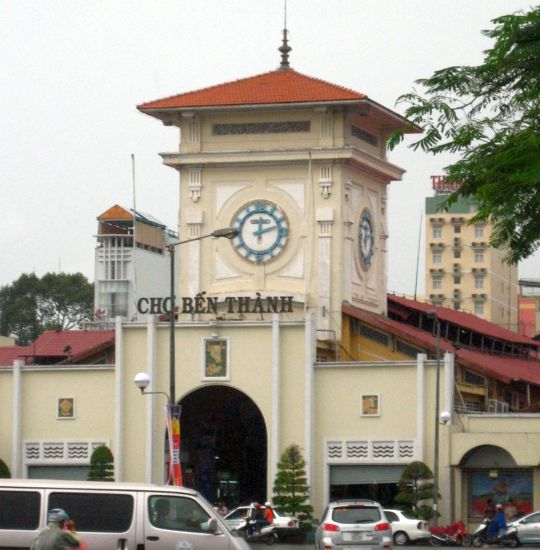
{"points": [[433, 316], [228, 233], [142, 381]]}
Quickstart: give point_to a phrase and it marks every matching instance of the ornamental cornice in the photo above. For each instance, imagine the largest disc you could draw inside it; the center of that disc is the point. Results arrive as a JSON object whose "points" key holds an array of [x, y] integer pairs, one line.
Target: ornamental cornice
{"points": [[360, 159]]}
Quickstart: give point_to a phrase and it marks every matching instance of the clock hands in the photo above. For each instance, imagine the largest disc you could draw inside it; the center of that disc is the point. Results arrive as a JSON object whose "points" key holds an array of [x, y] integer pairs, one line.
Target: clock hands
{"points": [[260, 231]]}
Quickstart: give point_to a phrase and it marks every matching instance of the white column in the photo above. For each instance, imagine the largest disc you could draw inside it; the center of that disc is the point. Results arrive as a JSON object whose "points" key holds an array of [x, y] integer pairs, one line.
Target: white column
{"points": [[150, 370], [276, 420], [16, 437], [420, 404], [118, 400], [191, 261], [325, 219], [448, 400], [449, 382], [309, 359]]}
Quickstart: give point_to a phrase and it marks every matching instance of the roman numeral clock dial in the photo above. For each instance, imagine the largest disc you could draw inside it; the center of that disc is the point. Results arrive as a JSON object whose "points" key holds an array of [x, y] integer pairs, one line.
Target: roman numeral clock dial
{"points": [[263, 231]]}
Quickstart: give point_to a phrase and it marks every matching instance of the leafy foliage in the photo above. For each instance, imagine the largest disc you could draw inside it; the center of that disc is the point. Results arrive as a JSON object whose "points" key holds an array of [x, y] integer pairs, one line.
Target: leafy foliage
{"points": [[416, 485], [489, 115], [4, 470], [291, 491], [31, 305], [101, 465]]}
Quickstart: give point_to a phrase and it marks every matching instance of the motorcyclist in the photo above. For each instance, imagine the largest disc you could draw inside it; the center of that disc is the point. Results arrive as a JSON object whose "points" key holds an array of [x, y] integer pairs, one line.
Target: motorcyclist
{"points": [[497, 526], [53, 537]]}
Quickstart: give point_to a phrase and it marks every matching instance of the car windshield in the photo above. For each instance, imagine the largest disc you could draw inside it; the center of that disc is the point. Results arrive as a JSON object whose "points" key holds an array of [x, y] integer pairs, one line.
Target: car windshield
{"points": [[237, 514], [356, 514]]}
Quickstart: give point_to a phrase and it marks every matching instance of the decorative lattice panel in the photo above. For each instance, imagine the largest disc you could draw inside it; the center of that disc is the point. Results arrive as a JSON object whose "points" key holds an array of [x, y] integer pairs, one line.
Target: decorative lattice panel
{"points": [[60, 452]]}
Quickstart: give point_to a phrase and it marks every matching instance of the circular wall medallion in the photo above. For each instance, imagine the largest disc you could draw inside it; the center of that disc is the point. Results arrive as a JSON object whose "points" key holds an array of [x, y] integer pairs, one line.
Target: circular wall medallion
{"points": [[263, 231], [366, 239]]}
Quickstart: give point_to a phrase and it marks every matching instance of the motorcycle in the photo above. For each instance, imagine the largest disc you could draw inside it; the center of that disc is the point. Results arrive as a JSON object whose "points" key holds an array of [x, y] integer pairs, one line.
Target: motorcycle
{"points": [[266, 533], [451, 535], [509, 538]]}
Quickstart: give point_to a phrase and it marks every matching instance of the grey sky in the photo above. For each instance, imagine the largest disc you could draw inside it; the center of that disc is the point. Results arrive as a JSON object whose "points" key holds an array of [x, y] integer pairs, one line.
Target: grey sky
{"points": [[72, 72]]}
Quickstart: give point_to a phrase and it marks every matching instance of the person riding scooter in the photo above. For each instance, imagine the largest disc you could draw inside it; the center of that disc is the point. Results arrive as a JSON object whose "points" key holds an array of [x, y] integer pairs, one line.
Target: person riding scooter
{"points": [[497, 526]]}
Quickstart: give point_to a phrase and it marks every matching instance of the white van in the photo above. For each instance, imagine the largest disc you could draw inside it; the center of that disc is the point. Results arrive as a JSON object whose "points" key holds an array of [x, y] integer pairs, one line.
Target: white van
{"points": [[114, 516]]}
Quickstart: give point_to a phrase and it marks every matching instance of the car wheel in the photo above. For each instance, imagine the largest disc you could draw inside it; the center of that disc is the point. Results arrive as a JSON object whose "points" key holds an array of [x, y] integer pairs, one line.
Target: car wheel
{"points": [[401, 538]]}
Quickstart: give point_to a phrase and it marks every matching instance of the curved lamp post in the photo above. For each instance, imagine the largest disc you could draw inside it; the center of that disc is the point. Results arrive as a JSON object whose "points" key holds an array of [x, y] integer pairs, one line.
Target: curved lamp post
{"points": [[228, 233]]}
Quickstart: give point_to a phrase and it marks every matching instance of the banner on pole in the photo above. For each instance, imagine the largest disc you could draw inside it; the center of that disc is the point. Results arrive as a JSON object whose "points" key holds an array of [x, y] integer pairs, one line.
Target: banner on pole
{"points": [[173, 429]]}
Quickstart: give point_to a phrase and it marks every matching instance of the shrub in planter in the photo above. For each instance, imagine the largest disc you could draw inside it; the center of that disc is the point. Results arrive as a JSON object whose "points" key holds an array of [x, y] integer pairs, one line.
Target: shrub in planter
{"points": [[4, 470], [101, 465]]}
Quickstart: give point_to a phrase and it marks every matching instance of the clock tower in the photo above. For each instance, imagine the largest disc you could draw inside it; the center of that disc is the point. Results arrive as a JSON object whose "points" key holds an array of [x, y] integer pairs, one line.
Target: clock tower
{"points": [[298, 165]]}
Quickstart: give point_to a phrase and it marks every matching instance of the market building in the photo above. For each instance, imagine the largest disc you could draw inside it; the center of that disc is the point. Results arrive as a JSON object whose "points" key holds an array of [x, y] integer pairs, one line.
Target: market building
{"points": [[286, 334]]}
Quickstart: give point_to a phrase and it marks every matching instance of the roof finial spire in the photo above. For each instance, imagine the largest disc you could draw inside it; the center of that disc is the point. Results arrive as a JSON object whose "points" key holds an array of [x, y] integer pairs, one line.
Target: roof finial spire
{"points": [[284, 48]]}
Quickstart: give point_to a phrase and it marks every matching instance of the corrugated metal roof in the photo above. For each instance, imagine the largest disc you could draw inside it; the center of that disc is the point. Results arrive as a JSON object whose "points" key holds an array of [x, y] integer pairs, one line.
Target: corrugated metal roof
{"points": [[503, 368], [464, 320]]}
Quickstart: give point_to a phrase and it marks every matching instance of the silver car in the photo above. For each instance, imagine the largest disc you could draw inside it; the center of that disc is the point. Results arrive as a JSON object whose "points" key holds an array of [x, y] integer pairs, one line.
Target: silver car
{"points": [[528, 528], [354, 524]]}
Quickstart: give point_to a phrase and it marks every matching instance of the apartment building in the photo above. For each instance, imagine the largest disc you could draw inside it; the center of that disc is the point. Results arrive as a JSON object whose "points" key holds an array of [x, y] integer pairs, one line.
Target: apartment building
{"points": [[463, 271]]}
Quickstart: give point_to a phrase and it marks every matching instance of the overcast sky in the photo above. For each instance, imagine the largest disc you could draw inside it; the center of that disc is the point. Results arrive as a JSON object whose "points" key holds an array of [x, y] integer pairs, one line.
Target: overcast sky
{"points": [[72, 72]]}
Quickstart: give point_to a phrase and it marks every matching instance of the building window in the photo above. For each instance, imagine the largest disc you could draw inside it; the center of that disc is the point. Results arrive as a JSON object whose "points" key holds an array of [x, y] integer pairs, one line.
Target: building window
{"points": [[375, 335], [457, 279], [478, 256], [437, 257], [479, 308], [470, 377], [479, 231], [437, 232], [456, 306], [479, 282], [457, 228], [437, 282], [457, 253], [407, 350]]}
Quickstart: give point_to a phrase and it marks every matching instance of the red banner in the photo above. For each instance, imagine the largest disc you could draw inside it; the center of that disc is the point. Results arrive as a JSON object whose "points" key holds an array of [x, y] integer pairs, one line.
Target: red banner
{"points": [[173, 429]]}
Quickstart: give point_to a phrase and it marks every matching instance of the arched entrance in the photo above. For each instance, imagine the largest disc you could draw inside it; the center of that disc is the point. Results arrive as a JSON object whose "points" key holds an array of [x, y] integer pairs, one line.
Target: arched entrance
{"points": [[491, 476], [224, 445]]}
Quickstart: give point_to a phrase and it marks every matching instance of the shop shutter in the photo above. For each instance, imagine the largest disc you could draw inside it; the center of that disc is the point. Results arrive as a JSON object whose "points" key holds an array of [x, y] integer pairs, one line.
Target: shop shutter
{"points": [[365, 475]]}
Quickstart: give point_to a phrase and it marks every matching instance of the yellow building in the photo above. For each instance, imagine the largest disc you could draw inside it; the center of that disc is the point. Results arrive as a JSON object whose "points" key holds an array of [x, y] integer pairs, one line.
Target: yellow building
{"points": [[282, 334], [462, 271]]}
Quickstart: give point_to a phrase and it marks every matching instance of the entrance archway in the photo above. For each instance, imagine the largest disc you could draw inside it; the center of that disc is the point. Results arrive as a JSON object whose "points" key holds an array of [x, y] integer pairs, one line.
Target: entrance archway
{"points": [[224, 445]]}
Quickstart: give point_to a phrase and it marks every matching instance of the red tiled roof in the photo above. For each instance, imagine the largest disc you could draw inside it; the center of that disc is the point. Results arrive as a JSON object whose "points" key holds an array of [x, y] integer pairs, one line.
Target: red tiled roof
{"points": [[286, 86], [8, 354], [465, 320], [69, 343], [503, 368]]}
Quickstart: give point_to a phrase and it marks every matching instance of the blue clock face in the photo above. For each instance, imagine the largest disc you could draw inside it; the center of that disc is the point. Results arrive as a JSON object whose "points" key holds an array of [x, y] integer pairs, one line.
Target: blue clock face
{"points": [[263, 231], [366, 239]]}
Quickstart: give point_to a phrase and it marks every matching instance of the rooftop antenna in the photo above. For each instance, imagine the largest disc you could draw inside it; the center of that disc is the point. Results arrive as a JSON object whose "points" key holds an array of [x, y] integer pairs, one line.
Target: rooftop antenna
{"points": [[285, 48]]}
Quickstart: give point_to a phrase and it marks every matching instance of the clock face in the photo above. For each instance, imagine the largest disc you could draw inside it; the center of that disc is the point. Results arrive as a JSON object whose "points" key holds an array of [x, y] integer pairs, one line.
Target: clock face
{"points": [[366, 240], [263, 231]]}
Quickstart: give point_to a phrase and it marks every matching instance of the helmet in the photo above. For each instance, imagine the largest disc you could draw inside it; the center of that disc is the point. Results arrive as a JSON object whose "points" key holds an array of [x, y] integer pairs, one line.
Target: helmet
{"points": [[57, 515], [499, 506], [267, 503], [258, 506]]}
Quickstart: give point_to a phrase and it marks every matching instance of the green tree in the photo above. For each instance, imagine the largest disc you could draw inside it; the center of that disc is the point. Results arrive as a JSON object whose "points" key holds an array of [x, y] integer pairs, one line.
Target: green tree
{"points": [[489, 116], [101, 465], [291, 491], [4, 470], [416, 485], [31, 305]]}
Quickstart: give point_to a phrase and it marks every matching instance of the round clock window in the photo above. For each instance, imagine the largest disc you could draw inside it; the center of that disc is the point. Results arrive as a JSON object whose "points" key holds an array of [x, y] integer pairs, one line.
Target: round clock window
{"points": [[263, 231], [366, 239]]}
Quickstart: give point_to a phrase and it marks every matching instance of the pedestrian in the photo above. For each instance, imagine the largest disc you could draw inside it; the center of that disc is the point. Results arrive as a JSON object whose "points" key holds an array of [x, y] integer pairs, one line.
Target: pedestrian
{"points": [[53, 537], [510, 510], [70, 527], [222, 509], [490, 510], [268, 513]]}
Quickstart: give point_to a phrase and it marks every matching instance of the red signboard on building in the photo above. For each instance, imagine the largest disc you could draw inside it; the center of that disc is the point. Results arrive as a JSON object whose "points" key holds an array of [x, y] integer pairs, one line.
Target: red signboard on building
{"points": [[441, 186]]}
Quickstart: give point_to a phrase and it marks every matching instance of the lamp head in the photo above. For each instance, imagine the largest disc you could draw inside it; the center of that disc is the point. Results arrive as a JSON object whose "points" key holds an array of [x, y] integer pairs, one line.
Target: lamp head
{"points": [[142, 381], [446, 417], [227, 232]]}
